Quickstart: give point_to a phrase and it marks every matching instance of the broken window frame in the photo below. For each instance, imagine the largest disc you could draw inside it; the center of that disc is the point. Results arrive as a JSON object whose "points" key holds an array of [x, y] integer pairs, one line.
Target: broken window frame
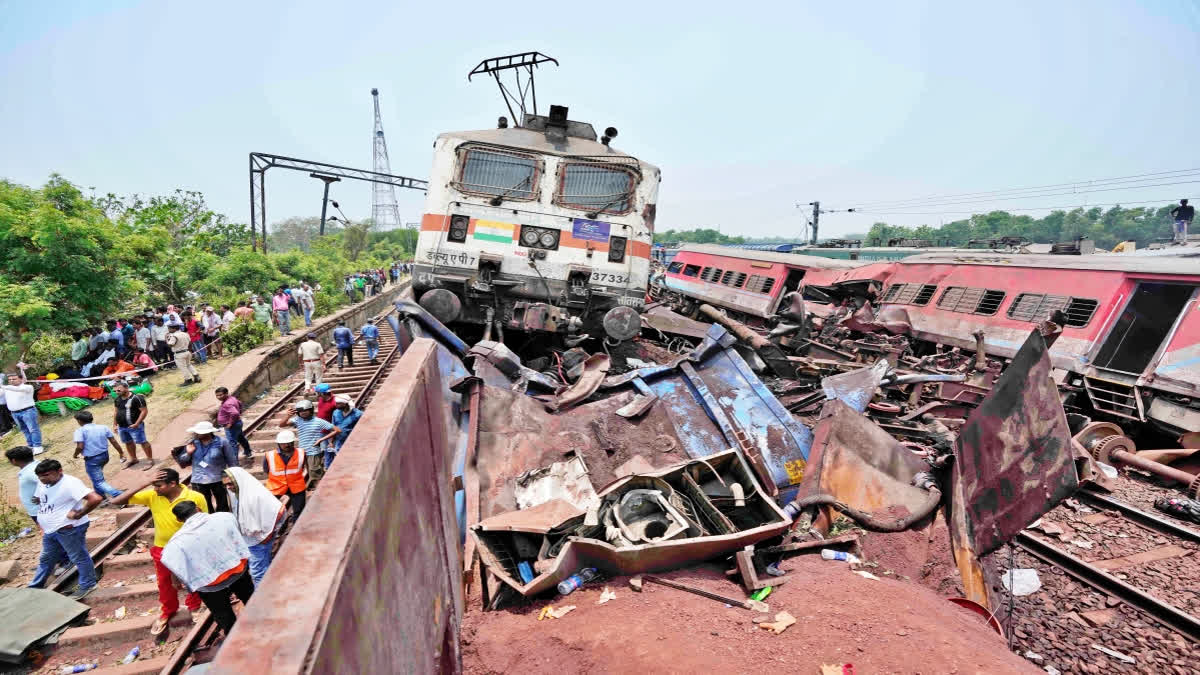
{"points": [[760, 283], [690, 270], [909, 293], [506, 192], [1044, 304], [971, 300]]}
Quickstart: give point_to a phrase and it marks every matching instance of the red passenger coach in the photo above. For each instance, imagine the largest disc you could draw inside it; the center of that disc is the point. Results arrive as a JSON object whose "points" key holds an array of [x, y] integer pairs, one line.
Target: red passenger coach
{"points": [[745, 282], [1131, 339]]}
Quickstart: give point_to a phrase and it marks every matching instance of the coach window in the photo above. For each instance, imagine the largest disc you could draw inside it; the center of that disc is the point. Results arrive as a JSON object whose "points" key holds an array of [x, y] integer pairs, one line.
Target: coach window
{"points": [[735, 279], [1037, 307], [971, 300], [595, 187], [909, 294], [691, 270], [498, 173], [760, 284]]}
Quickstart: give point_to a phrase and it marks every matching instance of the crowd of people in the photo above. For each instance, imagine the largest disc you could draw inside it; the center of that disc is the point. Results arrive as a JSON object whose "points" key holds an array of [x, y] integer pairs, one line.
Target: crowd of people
{"points": [[366, 283], [213, 539]]}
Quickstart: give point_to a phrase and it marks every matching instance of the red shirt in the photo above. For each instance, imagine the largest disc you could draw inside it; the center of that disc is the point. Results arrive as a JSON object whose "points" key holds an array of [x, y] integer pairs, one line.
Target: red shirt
{"points": [[325, 408], [193, 329]]}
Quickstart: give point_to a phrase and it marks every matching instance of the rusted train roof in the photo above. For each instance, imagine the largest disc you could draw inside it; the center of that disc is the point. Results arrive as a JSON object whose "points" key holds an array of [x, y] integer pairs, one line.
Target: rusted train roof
{"points": [[809, 261], [1181, 264]]}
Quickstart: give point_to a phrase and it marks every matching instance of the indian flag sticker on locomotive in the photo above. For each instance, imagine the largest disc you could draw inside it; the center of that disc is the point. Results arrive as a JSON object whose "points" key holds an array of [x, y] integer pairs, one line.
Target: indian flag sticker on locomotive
{"points": [[590, 230], [494, 230]]}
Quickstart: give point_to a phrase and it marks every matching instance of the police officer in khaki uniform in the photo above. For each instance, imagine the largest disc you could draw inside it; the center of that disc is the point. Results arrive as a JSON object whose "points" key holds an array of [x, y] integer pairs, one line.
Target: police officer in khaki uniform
{"points": [[311, 352], [180, 345]]}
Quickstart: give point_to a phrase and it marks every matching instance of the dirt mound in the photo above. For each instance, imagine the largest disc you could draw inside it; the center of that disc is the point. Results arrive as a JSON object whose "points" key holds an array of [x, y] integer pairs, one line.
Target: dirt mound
{"points": [[879, 626]]}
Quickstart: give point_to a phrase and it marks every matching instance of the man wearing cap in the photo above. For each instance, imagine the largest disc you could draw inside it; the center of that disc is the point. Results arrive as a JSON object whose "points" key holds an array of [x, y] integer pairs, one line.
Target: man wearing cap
{"points": [[370, 334], [311, 434], [344, 339], [180, 345], [287, 473], [161, 493], [310, 352], [211, 455], [325, 403], [345, 416]]}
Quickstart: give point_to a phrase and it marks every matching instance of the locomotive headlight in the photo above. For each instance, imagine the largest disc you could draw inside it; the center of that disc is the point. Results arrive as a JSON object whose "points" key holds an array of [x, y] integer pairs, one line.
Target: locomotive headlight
{"points": [[549, 239], [616, 249], [458, 228], [529, 236]]}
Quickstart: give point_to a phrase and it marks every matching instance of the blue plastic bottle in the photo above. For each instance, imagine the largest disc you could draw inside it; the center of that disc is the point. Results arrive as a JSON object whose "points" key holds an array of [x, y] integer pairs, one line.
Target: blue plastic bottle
{"points": [[568, 585]]}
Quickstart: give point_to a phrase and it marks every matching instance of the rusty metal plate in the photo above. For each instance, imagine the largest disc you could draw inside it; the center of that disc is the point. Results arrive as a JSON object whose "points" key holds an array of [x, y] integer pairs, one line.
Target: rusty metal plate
{"points": [[1013, 457]]}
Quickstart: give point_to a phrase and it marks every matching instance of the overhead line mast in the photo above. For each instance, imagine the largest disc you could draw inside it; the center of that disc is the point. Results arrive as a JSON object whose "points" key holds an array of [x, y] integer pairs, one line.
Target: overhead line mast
{"points": [[385, 211]]}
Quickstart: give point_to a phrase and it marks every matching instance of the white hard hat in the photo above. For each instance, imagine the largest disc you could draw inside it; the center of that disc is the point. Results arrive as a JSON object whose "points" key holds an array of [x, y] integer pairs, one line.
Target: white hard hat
{"points": [[302, 404], [285, 436]]}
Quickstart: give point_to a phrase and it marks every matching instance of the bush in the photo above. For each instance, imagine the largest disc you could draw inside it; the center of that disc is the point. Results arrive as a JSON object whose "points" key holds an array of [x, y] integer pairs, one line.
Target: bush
{"points": [[246, 334], [48, 351]]}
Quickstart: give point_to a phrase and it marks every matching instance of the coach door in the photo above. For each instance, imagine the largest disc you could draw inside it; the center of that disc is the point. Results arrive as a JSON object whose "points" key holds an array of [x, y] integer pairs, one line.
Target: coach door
{"points": [[1144, 327]]}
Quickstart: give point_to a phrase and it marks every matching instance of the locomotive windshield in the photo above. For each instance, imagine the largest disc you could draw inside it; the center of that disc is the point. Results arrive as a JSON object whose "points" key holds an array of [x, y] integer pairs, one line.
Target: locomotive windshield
{"points": [[596, 187], [502, 174]]}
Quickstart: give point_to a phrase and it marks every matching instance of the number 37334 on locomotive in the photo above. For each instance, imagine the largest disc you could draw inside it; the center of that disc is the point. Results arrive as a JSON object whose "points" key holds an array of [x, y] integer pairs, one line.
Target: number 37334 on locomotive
{"points": [[537, 228]]}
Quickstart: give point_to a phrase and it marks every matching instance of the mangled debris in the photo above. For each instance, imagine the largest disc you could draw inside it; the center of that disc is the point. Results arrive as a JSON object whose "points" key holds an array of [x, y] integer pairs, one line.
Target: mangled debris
{"points": [[581, 461]]}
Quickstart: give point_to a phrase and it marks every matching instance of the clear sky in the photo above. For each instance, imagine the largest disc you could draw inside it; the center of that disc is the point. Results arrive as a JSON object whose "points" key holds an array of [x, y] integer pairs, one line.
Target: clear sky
{"points": [[748, 108]]}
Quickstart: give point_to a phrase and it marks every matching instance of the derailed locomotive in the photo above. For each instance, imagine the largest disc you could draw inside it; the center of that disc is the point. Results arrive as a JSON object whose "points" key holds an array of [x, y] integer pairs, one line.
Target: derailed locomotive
{"points": [[539, 227]]}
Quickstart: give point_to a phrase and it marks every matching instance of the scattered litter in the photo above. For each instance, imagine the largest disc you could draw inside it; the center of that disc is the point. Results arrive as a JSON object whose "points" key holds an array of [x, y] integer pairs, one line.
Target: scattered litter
{"points": [[561, 611], [119, 584], [782, 621], [606, 595], [1082, 543], [119, 613], [773, 570], [132, 655], [1022, 581], [830, 554], [151, 577], [1116, 655], [867, 575], [80, 668], [1184, 509], [1033, 656], [761, 594]]}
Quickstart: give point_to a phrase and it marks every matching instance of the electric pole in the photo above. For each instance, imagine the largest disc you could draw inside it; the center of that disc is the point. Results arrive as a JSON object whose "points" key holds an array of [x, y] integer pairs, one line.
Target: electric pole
{"points": [[816, 217], [324, 201]]}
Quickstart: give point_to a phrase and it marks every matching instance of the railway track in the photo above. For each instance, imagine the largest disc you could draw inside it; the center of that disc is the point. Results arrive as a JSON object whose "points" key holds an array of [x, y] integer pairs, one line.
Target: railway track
{"points": [[1114, 576], [125, 602]]}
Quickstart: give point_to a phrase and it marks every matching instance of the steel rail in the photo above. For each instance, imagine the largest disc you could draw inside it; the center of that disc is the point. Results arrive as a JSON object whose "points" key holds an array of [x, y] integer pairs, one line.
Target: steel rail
{"points": [[1168, 615], [1139, 516]]}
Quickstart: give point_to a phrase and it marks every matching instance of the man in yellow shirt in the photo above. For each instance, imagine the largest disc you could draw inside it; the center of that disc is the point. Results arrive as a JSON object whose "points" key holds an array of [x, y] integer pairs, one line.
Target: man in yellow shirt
{"points": [[161, 493]]}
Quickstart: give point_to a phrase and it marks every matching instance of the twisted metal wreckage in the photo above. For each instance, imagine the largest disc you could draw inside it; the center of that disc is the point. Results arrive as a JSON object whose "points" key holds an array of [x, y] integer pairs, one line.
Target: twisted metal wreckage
{"points": [[668, 465]]}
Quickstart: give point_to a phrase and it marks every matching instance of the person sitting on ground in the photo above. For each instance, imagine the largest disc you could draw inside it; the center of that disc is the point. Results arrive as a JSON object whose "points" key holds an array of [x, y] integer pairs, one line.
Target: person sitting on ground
{"points": [[259, 514], [92, 441], [211, 455], [160, 494], [116, 367], [209, 556], [142, 361], [63, 506], [79, 348]]}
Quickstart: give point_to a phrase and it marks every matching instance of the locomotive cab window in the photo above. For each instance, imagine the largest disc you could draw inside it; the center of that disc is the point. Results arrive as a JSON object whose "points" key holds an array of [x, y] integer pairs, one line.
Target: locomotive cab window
{"points": [[675, 267], [691, 270], [595, 187], [498, 173]]}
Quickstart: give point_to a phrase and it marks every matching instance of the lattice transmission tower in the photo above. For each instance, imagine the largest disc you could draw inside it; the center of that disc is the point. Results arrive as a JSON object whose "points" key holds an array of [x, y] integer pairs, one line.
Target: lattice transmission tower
{"points": [[384, 209]]}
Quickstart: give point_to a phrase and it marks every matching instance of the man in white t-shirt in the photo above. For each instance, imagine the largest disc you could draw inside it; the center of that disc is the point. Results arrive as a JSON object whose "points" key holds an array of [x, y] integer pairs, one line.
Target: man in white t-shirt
{"points": [[18, 396], [63, 504]]}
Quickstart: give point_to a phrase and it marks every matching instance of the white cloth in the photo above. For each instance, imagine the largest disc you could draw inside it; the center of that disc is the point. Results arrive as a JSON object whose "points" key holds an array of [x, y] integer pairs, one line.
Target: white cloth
{"points": [[143, 336], [207, 546], [18, 396], [54, 501], [256, 509]]}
